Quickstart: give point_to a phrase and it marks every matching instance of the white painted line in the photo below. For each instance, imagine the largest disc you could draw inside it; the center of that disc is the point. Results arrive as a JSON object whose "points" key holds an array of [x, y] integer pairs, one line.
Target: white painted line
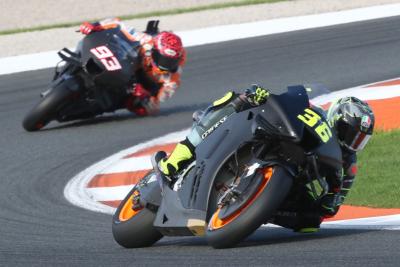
{"points": [[21, 63], [105, 194], [344, 225], [388, 220], [78, 194], [254, 29], [364, 224], [129, 165], [370, 93], [227, 33]]}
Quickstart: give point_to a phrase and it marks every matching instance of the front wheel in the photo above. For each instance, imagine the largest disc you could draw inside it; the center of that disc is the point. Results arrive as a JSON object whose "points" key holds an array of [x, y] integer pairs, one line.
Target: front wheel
{"points": [[133, 227], [46, 110], [227, 231]]}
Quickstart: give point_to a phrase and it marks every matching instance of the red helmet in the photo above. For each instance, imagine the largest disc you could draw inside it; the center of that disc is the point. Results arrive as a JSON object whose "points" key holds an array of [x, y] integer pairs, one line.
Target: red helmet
{"points": [[167, 51]]}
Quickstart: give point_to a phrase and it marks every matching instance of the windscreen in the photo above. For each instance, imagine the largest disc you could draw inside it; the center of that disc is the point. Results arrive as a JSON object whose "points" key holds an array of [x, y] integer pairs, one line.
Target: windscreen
{"points": [[281, 111]]}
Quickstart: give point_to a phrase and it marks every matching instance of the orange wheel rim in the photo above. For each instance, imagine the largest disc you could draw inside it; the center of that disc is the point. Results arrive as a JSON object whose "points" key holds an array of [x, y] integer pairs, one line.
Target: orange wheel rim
{"points": [[216, 222], [127, 211]]}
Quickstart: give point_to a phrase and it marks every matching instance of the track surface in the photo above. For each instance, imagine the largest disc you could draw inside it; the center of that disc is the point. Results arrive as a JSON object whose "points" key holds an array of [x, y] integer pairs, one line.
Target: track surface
{"points": [[39, 227]]}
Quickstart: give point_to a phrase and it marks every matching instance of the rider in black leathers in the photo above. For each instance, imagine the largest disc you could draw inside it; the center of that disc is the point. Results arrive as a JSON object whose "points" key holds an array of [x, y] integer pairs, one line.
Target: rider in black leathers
{"points": [[351, 118]]}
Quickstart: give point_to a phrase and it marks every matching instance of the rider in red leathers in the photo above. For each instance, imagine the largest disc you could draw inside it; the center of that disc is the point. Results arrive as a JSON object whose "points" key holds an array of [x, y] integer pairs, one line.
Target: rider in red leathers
{"points": [[162, 57]]}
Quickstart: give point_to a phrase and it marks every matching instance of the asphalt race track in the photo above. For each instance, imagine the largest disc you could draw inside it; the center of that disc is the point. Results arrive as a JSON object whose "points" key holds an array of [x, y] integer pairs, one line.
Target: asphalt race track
{"points": [[39, 227]]}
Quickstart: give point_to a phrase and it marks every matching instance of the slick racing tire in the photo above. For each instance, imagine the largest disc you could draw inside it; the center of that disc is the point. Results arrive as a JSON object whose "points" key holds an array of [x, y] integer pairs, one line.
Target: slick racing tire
{"points": [[46, 110], [258, 208], [133, 228]]}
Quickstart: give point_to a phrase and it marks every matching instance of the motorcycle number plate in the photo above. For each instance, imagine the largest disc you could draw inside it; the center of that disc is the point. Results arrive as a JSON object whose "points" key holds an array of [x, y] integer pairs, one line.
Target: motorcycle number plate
{"points": [[106, 57]]}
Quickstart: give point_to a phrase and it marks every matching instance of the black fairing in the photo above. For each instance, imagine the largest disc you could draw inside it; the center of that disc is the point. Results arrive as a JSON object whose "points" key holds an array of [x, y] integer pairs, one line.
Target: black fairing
{"points": [[279, 116], [124, 50], [328, 153], [229, 136]]}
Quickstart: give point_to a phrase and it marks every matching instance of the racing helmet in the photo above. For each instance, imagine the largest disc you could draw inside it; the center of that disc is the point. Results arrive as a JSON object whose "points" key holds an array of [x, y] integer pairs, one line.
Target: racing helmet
{"points": [[353, 121], [167, 51]]}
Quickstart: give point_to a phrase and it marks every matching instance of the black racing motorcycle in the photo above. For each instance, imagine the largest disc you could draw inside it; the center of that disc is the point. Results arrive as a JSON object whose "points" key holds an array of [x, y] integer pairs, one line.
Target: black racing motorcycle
{"points": [[259, 166], [94, 79]]}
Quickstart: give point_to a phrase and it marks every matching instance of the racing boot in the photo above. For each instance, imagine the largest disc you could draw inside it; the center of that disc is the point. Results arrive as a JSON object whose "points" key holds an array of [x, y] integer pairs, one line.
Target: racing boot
{"points": [[148, 107], [307, 230], [300, 222], [308, 223], [180, 157]]}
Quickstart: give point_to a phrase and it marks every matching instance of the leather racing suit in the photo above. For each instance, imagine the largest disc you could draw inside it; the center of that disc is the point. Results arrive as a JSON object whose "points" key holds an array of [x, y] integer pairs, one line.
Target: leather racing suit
{"points": [[153, 84]]}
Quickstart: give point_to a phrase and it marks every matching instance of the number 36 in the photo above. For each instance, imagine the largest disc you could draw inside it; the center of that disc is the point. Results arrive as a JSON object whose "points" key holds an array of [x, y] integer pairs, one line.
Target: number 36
{"points": [[311, 119]]}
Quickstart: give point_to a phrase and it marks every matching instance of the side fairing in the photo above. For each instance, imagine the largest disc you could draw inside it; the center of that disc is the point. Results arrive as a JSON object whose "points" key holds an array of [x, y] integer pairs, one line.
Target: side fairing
{"points": [[279, 111], [109, 58], [211, 154], [320, 138]]}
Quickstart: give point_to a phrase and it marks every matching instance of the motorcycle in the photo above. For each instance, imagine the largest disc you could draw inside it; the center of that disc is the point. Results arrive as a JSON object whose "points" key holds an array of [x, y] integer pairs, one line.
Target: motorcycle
{"points": [[94, 79], [258, 166]]}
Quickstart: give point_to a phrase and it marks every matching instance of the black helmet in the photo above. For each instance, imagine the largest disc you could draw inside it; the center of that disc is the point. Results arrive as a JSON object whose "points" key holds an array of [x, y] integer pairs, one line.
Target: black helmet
{"points": [[353, 121]]}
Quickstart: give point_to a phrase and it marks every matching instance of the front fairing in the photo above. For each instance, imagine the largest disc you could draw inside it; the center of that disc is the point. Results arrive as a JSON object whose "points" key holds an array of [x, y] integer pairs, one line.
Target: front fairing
{"points": [[110, 58], [278, 119]]}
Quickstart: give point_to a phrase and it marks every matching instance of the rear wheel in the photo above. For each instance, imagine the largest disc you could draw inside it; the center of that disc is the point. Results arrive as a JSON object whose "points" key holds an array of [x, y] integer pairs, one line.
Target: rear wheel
{"points": [[227, 231], [46, 110], [133, 227]]}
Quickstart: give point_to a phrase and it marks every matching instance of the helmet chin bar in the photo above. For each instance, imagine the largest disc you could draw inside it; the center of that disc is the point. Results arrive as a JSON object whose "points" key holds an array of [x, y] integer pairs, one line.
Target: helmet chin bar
{"points": [[165, 63], [359, 142]]}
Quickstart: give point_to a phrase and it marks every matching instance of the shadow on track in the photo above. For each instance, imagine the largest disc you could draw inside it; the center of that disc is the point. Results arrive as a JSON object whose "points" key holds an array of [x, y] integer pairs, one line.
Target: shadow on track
{"points": [[265, 237], [124, 116]]}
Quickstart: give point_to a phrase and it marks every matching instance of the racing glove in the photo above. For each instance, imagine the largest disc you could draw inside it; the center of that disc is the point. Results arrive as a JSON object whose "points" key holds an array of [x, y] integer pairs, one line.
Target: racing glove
{"points": [[166, 91], [86, 27], [256, 95]]}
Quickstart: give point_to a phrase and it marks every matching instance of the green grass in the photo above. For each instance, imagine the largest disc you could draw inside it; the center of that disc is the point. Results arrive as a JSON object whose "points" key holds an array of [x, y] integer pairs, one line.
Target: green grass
{"points": [[146, 15], [378, 181]]}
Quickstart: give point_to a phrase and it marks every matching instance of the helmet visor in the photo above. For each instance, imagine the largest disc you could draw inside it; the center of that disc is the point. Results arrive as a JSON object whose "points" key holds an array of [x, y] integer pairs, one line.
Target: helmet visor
{"points": [[165, 63], [353, 139], [360, 141]]}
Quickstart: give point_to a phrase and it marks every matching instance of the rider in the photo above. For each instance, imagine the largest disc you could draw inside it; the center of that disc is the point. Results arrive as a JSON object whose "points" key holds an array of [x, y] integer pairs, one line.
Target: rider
{"points": [[352, 119], [162, 57], [354, 122]]}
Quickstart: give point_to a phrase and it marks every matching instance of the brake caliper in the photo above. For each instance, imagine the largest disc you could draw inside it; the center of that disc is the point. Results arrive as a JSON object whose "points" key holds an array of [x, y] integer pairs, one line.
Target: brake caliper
{"points": [[229, 196], [136, 200]]}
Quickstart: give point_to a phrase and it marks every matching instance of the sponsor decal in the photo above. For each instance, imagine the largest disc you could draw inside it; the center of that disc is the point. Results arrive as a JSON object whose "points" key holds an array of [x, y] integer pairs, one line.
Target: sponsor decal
{"points": [[365, 121], [215, 126], [106, 57], [170, 52]]}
